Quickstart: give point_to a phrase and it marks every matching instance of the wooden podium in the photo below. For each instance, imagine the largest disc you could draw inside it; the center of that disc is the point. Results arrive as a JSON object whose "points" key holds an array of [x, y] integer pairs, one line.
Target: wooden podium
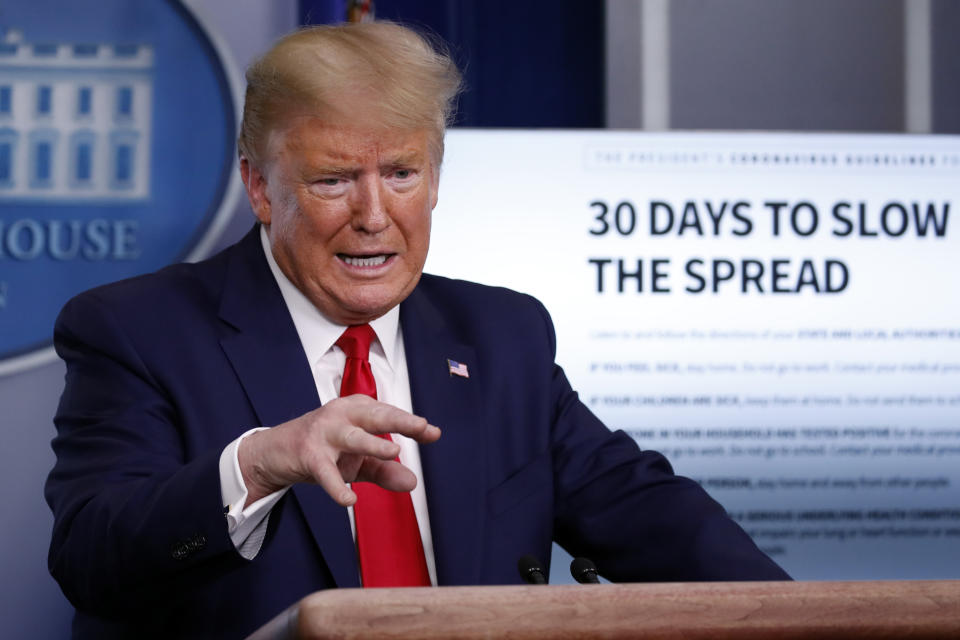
{"points": [[687, 611]]}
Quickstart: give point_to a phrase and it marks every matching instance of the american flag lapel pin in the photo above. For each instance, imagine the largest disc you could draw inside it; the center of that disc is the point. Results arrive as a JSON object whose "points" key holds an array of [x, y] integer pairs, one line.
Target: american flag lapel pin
{"points": [[457, 368]]}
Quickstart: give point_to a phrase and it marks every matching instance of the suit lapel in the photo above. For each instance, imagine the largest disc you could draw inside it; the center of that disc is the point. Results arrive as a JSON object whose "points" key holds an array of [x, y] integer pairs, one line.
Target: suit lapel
{"points": [[266, 354], [453, 467]]}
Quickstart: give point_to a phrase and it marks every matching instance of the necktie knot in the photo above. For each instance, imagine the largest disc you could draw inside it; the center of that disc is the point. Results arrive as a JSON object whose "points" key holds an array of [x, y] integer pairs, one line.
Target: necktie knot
{"points": [[357, 374], [355, 341]]}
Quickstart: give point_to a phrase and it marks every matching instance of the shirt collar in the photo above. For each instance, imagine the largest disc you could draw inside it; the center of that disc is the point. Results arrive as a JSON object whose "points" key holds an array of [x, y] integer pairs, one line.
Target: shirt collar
{"points": [[317, 333]]}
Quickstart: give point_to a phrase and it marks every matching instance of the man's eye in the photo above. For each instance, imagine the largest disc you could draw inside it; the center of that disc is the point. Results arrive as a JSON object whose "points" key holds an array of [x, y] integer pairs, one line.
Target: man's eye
{"points": [[330, 182], [402, 174]]}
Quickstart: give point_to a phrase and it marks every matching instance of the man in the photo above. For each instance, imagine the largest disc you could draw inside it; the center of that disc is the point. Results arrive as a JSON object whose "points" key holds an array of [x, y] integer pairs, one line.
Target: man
{"points": [[217, 418]]}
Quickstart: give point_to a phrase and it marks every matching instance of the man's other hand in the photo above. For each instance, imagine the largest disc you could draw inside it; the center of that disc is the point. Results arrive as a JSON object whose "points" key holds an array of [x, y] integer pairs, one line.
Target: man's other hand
{"points": [[331, 446]]}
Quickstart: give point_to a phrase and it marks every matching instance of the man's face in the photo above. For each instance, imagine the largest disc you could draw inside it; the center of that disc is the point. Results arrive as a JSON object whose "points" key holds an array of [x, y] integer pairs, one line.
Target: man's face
{"points": [[347, 210]]}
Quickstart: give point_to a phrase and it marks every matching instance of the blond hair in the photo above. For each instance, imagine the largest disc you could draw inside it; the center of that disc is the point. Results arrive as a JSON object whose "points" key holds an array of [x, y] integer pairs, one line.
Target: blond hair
{"points": [[372, 73]]}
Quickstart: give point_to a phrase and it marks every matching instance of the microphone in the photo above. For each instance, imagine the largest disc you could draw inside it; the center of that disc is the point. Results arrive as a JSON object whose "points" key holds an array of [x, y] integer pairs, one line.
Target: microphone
{"points": [[584, 571], [531, 570]]}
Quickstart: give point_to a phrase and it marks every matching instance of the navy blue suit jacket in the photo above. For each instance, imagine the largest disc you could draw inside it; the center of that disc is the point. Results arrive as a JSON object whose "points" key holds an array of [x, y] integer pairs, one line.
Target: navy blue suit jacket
{"points": [[163, 371]]}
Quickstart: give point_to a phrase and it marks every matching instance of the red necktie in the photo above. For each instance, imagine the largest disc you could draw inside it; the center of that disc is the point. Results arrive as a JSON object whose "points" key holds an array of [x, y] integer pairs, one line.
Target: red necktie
{"points": [[388, 538]]}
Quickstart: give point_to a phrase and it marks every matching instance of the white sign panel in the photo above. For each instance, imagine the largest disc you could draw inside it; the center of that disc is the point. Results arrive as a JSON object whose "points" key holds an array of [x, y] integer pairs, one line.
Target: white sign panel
{"points": [[777, 313]]}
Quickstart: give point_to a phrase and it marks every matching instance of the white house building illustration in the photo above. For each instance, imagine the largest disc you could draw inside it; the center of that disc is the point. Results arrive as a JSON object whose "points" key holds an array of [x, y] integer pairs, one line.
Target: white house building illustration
{"points": [[75, 120]]}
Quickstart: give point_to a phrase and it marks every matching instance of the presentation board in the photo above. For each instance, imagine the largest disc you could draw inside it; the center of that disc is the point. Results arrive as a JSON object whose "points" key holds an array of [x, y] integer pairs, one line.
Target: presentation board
{"points": [[779, 314]]}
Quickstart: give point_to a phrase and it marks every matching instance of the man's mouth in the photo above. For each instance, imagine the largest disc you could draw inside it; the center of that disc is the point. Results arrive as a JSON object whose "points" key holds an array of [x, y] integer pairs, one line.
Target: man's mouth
{"points": [[366, 260]]}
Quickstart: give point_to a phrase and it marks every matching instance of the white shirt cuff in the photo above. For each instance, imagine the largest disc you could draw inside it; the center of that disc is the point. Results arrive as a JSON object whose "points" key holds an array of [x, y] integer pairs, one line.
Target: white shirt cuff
{"points": [[247, 527]]}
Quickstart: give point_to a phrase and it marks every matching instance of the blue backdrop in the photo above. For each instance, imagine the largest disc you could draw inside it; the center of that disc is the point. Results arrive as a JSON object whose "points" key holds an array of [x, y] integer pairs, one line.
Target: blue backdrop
{"points": [[537, 63]]}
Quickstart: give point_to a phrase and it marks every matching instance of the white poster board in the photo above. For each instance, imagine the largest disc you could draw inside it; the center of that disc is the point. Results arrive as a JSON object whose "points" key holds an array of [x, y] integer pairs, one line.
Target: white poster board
{"points": [[777, 313]]}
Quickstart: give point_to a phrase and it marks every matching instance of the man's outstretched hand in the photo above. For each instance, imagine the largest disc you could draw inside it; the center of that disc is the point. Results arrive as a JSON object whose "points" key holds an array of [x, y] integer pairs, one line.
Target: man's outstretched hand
{"points": [[331, 446]]}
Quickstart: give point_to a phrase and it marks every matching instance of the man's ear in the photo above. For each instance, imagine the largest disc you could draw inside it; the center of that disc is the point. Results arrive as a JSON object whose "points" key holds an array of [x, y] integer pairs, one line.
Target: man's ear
{"points": [[256, 184]]}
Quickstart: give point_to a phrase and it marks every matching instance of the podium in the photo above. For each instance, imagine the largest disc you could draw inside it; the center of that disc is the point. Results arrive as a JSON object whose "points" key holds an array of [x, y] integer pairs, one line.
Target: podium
{"points": [[666, 611]]}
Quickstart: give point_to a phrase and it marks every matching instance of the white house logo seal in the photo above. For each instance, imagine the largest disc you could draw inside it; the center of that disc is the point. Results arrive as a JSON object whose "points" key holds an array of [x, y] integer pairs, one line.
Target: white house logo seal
{"points": [[117, 129]]}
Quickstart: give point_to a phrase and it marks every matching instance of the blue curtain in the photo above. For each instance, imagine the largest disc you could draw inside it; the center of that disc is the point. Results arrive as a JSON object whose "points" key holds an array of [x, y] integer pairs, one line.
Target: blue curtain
{"points": [[537, 63]]}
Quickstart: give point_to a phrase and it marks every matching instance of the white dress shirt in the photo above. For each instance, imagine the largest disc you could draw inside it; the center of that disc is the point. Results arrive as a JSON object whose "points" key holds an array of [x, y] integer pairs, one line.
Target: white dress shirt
{"points": [[247, 526]]}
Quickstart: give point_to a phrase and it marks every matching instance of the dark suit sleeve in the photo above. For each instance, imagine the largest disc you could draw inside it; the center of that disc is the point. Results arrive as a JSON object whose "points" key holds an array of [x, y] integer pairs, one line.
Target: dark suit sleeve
{"points": [[132, 516], [625, 508]]}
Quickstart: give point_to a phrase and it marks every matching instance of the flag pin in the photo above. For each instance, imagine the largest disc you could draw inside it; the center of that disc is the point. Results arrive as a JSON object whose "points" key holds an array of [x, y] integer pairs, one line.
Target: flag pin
{"points": [[457, 368]]}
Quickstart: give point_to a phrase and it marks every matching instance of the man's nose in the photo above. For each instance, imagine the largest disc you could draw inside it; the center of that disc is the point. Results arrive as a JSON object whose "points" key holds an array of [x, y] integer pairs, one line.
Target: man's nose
{"points": [[369, 206]]}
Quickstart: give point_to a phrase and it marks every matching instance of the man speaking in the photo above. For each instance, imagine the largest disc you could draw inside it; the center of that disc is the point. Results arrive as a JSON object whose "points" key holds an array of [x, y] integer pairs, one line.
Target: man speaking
{"points": [[238, 433]]}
